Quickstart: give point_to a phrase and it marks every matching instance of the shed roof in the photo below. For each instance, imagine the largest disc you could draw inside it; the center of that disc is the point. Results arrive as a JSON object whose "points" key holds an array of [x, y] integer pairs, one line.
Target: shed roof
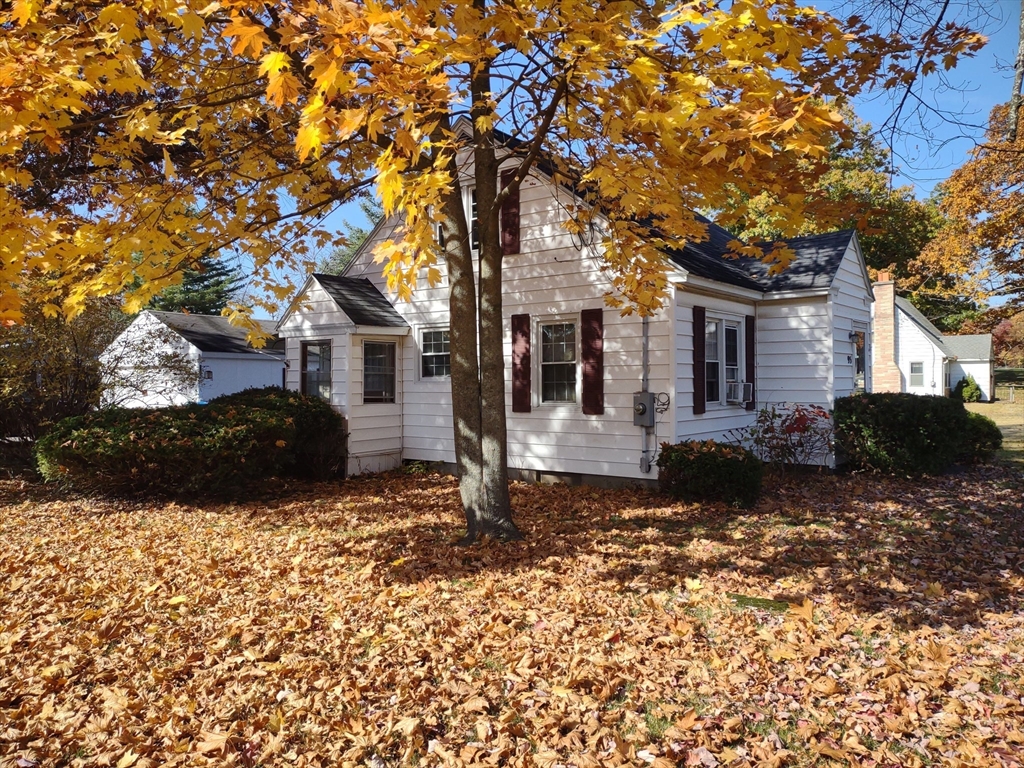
{"points": [[213, 333], [970, 347], [361, 301]]}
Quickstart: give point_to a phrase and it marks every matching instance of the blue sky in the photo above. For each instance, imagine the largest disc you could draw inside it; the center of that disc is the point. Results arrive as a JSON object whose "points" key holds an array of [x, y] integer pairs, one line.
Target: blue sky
{"points": [[965, 95]]}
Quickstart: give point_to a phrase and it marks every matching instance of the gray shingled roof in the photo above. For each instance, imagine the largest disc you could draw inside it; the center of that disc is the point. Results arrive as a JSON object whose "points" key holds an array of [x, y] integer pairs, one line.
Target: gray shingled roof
{"points": [[921, 321], [361, 301], [708, 258], [213, 333], [974, 347], [814, 266]]}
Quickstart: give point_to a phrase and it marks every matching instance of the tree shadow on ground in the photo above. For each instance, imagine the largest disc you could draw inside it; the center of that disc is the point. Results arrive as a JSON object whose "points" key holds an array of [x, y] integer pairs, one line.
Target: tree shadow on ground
{"points": [[931, 551]]}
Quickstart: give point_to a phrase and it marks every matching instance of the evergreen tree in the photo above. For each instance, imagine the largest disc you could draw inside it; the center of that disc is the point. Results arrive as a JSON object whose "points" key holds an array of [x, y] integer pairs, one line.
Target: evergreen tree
{"points": [[204, 290], [339, 258]]}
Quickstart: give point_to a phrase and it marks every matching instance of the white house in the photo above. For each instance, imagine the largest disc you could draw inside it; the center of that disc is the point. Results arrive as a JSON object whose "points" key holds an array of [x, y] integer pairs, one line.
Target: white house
{"points": [[173, 358], [912, 355], [730, 338]]}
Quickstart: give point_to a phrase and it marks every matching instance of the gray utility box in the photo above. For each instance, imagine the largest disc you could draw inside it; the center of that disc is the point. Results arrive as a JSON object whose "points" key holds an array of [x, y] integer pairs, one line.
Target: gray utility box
{"points": [[643, 409]]}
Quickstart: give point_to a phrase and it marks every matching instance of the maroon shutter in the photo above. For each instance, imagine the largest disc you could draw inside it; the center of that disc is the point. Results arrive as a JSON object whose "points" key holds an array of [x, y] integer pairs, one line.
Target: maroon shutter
{"points": [[750, 350], [509, 216], [699, 371], [521, 364], [592, 338]]}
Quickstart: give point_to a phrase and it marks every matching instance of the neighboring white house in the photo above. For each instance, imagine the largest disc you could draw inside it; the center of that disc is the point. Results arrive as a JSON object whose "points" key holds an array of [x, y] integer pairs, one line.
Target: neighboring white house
{"points": [[730, 338], [172, 358], [912, 355]]}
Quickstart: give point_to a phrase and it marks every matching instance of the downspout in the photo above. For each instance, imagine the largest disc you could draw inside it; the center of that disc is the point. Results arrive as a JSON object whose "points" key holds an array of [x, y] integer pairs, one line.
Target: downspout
{"points": [[645, 458]]}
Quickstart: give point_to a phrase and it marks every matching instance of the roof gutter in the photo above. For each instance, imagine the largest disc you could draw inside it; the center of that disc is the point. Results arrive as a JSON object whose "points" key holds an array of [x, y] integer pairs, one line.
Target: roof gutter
{"points": [[688, 280], [801, 293]]}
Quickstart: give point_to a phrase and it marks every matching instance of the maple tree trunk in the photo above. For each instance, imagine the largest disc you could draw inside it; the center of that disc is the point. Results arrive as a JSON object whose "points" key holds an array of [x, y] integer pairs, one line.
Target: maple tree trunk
{"points": [[478, 391], [495, 518], [477, 366]]}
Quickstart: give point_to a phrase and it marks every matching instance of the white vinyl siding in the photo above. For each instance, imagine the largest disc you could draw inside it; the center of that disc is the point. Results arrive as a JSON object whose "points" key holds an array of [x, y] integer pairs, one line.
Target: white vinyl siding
{"points": [[318, 319], [913, 345], [235, 372], [794, 352], [849, 301], [719, 418], [375, 429], [981, 370]]}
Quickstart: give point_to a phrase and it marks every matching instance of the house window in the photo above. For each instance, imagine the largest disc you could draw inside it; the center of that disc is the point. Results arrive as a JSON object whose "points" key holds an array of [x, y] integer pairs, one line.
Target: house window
{"points": [[722, 375], [436, 356], [378, 372], [917, 374], [860, 360], [316, 369], [474, 222], [558, 363]]}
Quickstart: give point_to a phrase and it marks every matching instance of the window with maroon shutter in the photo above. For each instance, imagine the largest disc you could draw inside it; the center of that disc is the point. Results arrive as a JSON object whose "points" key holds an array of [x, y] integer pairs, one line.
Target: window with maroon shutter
{"points": [[592, 354], [521, 395], [750, 357], [509, 216], [699, 370]]}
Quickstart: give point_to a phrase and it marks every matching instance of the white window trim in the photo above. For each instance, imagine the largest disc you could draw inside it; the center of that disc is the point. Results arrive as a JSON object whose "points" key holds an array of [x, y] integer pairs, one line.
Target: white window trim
{"points": [[362, 367], [536, 353], [420, 330], [738, 321]]}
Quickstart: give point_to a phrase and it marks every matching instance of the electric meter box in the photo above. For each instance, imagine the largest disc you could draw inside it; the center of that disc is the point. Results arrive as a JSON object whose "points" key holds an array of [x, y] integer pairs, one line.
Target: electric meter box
{"points": [[643, 409]]}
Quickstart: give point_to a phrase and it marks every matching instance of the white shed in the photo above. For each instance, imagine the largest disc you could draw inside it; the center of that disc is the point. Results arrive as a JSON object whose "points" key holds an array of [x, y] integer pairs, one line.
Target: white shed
{"points": [[972, 355], [173, 358]]}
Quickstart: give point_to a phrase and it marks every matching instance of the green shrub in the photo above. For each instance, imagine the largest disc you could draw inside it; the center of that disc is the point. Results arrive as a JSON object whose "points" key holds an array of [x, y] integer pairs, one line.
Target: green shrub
{"points": [[320, 439], [708, 471], [184, 451], [899, 432], [981, 440], [967, 390]]}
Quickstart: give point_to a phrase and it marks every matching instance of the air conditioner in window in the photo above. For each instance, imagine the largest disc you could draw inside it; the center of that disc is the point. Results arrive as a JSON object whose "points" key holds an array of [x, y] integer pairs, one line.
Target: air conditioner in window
{"points": [[739, 392]]}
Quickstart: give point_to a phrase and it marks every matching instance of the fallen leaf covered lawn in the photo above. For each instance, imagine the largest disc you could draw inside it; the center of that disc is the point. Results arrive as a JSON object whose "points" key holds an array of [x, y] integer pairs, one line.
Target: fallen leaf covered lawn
{"points": [[846, 620]]}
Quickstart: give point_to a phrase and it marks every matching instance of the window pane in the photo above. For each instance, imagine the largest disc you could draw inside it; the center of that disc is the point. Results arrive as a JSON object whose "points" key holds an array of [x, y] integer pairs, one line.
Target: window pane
{"points": [[712, 393], [474, 225], [732, 346], [558, 343], [558, 383], [917, 374], [378, 372], [711, 342]]}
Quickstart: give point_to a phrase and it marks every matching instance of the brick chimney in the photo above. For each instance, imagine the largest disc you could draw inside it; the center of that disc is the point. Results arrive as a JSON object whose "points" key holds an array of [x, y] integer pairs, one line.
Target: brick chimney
{"points": [[885, 375]]}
